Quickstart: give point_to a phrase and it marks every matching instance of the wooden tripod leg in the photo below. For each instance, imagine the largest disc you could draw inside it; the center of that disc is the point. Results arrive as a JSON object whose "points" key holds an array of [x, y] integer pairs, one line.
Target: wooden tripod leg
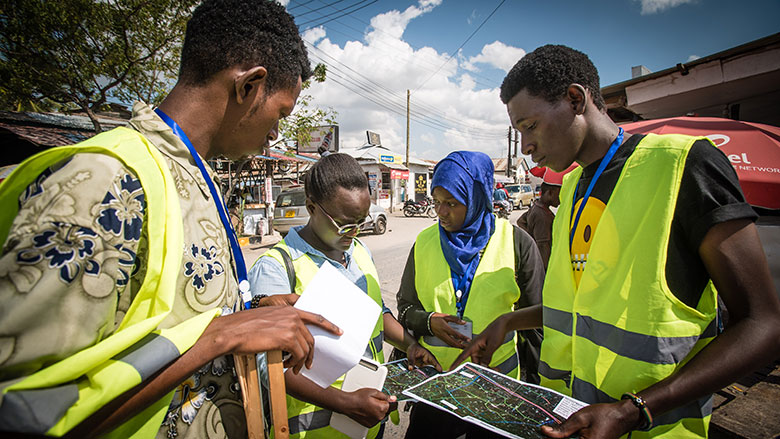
{"points": [[278, 395], [246, 369]]}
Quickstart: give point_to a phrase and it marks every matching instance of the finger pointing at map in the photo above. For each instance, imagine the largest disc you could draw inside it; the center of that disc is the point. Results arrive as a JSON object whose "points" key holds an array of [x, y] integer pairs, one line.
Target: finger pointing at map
{"points": [[482, 347]]}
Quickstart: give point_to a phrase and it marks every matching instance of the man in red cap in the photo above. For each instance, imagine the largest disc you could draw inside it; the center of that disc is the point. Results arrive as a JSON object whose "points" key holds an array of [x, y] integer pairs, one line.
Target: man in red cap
{"points": [[538, 220]]}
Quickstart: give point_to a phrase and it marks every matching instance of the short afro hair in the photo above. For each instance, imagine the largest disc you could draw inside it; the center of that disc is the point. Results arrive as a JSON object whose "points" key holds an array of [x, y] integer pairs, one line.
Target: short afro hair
{"points": [[226, 33], [548, 71], [332, 172]]}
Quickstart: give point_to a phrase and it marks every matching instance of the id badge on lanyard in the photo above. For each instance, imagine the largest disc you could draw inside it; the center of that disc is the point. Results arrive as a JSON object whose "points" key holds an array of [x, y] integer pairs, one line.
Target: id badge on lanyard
{"points": [[603, 165], [243, 283]]}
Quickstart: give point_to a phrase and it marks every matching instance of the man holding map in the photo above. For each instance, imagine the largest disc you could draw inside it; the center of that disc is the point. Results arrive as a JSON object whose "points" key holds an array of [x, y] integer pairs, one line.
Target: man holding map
{"points": [[651, 230]]}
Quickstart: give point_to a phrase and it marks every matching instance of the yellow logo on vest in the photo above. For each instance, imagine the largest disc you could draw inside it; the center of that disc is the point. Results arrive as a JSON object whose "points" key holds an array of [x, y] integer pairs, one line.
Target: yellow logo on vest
{"points": [[583, 236]]}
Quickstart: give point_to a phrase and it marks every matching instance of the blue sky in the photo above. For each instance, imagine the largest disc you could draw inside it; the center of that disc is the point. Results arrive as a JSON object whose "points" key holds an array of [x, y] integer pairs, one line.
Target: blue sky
{"points": [[377, 52]]}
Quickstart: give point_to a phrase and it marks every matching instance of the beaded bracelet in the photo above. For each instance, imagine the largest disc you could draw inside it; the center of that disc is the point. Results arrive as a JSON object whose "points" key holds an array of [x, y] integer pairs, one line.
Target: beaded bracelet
{"points": [[640, 403], [256, 300]]}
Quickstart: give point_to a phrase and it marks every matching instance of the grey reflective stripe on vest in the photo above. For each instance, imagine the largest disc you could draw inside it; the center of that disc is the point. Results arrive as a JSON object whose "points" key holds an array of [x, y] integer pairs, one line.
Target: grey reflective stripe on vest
{"points": [[696, 410], [509, 364], [587, 392], [559, 320], [554, 374], [309, 421], [641, 347], [377, 342], [36, 411], [149, 355]]}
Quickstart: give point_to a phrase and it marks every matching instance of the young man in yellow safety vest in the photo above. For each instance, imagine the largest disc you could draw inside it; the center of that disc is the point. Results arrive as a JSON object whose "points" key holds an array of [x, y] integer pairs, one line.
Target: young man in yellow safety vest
{"points": [[650, 230], [120, 276]]}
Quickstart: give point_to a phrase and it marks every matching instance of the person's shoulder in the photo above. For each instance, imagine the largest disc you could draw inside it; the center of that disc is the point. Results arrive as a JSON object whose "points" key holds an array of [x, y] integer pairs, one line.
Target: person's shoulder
{"points": [[706, 162], [521, 237], [85, 175], [99, 164]]}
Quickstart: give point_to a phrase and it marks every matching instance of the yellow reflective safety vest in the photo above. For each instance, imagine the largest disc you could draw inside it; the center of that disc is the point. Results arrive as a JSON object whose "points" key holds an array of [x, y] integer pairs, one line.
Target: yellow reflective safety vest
{"points": [[494, 291], [307, 420], [56, 398], [623, 330]]}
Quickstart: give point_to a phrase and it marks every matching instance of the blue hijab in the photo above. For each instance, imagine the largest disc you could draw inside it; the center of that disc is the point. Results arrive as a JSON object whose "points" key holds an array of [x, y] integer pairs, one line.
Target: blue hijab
{"points": [[468, 176]]}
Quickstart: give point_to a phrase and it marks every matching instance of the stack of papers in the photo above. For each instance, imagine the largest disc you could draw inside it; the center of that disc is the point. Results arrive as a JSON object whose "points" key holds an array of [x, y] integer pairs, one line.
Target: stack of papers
{"points": [[336, 298]]}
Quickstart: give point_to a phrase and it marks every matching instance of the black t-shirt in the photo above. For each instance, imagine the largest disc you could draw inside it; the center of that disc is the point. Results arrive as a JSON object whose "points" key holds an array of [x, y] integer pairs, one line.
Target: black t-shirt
{"points": [[709, 194]]}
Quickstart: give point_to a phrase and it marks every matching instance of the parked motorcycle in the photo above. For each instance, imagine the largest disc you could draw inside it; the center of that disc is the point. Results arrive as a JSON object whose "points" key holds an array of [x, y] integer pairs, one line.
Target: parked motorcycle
{"points": [[500, 209], [422, 208]]}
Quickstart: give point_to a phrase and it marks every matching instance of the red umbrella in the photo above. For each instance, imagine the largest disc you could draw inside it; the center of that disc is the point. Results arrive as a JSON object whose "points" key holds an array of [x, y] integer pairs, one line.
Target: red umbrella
{"points": [[752, 148]]}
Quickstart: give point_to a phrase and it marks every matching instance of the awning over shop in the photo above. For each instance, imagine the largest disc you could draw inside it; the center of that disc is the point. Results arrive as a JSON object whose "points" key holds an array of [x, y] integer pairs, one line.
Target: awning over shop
{"points": [[396, 166], [397, 171], [280, 155]]}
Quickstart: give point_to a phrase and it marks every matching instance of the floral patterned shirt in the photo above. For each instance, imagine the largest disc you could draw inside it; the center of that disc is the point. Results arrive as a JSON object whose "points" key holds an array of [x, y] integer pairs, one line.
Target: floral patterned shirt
{"points": [[76, 256]]}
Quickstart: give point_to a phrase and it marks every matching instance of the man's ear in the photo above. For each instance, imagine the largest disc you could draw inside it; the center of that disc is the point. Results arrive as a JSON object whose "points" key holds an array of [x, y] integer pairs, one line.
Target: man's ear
{"points": [[250, 82], [577, 97], [310, 206]]}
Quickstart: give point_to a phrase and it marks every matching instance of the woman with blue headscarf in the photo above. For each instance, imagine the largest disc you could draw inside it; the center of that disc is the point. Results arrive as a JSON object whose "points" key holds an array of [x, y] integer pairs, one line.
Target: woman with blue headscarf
{"points": [[462, 274]]}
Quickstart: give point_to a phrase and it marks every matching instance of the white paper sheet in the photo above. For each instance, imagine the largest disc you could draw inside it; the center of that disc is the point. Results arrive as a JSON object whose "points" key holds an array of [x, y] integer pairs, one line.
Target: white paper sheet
{"points": [[333, 296]]}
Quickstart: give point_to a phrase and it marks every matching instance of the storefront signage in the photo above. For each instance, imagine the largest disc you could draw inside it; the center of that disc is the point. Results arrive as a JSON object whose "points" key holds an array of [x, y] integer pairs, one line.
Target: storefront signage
{"points": [[386, 159], [396, 174], [421, 184]]}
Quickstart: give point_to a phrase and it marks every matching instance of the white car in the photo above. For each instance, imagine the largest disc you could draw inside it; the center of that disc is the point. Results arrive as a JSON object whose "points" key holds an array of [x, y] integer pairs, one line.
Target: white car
{"points": [[290, 211]]}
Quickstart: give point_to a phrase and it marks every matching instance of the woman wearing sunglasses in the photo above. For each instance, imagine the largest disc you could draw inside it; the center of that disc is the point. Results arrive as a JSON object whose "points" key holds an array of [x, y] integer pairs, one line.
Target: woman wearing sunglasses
{"points": [[337, 200], [463, 273]]}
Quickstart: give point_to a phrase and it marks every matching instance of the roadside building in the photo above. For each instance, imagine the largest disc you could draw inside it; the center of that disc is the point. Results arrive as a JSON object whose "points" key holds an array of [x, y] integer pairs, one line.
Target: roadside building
{"points": [[741, 83], [390, 181], [24, 134]]}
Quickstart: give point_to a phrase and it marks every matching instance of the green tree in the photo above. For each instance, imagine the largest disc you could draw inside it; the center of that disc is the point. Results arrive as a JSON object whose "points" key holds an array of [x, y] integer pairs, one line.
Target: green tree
{"points": [[81, 53], [297, 126]]}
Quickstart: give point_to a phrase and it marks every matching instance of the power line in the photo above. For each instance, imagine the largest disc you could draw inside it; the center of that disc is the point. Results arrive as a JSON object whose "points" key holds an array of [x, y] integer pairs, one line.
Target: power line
{"points": [[299, 5], [390, 104], [392, 94], [491, 82], [340, 10], [401, 112], [461, 46], [310, 10]]}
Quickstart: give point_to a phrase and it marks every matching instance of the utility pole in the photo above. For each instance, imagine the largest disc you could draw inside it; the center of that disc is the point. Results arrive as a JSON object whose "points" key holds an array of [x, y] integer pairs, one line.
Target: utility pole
{"points": [[509, 153], [407, 128]]}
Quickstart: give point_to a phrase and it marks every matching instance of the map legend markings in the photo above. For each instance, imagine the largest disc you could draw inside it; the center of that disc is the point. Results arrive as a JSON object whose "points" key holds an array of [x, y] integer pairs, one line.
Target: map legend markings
{"points": [[494, 401]]}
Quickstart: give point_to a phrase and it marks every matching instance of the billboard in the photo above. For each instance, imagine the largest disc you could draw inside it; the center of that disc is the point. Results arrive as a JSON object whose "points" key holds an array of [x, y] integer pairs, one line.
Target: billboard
{"points": [[326, 137], [373, 138]]}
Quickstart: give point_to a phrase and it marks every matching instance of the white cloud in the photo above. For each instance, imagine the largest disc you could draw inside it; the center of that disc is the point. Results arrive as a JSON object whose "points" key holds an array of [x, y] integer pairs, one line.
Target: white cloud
{"points": [[655, 6], [472, 17], [693, 58], [382, 66], [496, 54], [284, 2]]}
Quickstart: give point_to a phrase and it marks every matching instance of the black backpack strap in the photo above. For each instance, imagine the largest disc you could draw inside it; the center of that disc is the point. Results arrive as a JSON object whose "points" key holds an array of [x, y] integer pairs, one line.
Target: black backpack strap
{"points": [[288, 265]]}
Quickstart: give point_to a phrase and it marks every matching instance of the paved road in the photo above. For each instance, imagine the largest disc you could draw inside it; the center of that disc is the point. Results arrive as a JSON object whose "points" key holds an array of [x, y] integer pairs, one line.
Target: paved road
{"points": [[390, 251]]}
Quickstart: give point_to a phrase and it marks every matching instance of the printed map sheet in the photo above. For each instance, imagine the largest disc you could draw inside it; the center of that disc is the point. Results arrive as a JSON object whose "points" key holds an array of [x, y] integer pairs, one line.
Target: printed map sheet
{"points": [[494, 401], [400, 378]]}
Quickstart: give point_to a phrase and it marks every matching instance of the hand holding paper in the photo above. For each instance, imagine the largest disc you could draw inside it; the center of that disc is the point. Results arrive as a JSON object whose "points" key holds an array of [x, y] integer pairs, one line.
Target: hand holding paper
{"points": [[336, 298]]}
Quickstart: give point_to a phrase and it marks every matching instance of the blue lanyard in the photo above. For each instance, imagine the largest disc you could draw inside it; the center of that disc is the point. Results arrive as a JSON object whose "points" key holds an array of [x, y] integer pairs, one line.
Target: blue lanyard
{"points": [[604, 162], [243, 283], [463, 298]]}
